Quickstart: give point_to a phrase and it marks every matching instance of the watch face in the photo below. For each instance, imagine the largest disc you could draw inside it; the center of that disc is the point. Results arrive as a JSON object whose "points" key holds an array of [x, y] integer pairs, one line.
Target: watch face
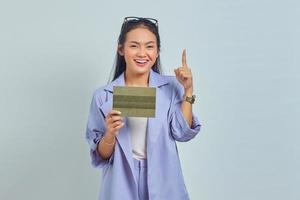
{"points": [[192, 100], [189, 99]]}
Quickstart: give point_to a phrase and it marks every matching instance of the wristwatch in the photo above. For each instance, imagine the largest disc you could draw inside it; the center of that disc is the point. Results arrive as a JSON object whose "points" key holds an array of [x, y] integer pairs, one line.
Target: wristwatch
{"points": [[191, 99]]}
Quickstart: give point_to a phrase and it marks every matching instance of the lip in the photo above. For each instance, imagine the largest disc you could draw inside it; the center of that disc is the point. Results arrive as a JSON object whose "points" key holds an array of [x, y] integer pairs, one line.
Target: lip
{"points": [[141, 62]]}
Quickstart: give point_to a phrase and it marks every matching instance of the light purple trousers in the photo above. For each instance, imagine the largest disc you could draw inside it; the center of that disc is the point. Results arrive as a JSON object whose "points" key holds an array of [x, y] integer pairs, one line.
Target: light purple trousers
{"points": [[140, 173]]}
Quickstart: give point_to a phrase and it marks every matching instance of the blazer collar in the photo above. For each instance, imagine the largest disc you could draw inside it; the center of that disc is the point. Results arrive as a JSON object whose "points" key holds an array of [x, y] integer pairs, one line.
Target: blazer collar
{"points": [[155, 80]]}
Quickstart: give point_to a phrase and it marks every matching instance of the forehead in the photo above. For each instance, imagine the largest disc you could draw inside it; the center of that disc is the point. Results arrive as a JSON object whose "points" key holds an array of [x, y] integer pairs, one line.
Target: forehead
{"points": [[140, 35]]}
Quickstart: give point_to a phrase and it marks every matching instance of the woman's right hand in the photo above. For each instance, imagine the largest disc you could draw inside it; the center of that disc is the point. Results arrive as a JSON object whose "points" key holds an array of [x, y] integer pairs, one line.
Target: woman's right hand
{"points": [[114, 122]]}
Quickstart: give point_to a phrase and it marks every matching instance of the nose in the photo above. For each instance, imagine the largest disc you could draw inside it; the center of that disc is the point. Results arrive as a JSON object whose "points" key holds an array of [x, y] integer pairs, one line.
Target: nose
{"points": [[141, 52]]}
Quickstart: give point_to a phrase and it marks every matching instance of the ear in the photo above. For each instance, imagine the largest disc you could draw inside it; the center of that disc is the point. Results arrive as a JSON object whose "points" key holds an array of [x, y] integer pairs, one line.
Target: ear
{"points": [[120, 50]]}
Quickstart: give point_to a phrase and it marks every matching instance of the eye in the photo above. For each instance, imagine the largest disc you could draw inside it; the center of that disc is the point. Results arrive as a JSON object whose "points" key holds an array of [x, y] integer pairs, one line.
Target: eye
{"points": [[150, 47], [133, 46]]}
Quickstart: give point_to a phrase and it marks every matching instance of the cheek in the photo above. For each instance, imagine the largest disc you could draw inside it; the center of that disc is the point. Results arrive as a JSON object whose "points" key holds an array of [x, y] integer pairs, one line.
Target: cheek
{"points": [[154, 55], [128, 54]]}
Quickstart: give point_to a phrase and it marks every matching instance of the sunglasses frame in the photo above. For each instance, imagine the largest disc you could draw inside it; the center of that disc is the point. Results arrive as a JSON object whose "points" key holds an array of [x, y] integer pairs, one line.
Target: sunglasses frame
{"points": [[132, 18]]}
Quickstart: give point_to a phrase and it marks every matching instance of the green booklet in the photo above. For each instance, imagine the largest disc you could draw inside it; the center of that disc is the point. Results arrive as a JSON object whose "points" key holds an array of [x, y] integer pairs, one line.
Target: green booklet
{"points": [[135, 101]]}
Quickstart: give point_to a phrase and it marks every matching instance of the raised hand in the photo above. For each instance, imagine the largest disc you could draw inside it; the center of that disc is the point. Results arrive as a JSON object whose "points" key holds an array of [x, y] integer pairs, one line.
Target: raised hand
{"points": [[184, 74]]}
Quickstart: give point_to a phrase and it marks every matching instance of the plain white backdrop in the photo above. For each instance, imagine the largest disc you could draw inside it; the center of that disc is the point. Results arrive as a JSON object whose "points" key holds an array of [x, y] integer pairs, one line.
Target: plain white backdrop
{"points": [[245, 59]]}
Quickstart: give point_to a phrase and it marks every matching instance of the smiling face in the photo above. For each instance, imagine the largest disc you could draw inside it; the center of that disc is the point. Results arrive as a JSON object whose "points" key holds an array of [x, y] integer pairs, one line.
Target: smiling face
{"points": [[140, 51]]}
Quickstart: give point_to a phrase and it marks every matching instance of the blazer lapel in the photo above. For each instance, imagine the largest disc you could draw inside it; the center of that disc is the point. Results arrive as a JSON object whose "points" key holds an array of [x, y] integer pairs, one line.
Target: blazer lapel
{"points": [[155, 124], [123, 138]]}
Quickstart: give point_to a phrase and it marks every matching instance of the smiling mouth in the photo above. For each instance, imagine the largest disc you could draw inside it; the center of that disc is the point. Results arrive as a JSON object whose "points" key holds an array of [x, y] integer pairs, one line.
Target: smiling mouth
{"points": [[141, 62]]}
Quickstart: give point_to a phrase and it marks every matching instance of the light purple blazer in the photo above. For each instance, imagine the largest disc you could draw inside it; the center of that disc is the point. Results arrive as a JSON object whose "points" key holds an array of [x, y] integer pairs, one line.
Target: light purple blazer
{"points": [[165, 178]]}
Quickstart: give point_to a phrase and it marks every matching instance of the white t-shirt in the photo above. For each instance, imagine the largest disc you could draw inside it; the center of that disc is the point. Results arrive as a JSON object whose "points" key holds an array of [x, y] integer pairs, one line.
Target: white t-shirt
{"points": [[138, 132]]}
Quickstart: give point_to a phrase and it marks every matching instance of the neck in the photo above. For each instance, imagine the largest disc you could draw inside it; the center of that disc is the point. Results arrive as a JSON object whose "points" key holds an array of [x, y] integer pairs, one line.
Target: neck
{"points": [[136, 80]]}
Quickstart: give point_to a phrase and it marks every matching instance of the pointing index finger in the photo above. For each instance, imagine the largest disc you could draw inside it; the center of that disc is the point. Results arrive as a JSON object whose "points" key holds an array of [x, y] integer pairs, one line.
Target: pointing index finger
{"points": [[184, 58]]}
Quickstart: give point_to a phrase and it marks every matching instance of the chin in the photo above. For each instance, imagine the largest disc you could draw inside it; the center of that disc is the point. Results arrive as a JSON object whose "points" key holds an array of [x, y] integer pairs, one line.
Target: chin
{"points": [[142, 70]]}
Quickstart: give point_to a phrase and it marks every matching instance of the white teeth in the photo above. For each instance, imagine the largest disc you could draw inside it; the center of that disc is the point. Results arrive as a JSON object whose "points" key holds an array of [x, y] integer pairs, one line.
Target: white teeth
{"points": [[141, 61]]}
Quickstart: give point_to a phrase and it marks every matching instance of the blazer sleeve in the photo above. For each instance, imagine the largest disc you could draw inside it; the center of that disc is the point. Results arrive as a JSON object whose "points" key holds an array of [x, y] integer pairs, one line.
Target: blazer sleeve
{"points": [[95, 130], [180, 130]]}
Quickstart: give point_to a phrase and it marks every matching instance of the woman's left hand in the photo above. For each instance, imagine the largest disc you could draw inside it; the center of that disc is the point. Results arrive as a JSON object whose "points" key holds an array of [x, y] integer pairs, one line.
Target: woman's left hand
{"points": [[184, 74]]}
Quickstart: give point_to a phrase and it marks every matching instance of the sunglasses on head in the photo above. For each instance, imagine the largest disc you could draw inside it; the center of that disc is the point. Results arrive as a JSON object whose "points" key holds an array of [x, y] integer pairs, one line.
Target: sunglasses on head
{"points": [[131, 18]]}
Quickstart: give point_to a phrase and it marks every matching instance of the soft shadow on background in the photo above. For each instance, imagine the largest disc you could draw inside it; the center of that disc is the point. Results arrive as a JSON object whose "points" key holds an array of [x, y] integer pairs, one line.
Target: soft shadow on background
{"points": [[245, 60]]}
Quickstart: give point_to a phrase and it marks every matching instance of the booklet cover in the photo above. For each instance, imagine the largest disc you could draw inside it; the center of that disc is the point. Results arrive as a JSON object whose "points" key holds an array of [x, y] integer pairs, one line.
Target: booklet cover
{"points": [[135, 101]]}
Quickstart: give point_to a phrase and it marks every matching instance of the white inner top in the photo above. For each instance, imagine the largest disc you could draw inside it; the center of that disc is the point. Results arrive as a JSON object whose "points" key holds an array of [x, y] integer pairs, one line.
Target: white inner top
{"points": [[138, 133]]}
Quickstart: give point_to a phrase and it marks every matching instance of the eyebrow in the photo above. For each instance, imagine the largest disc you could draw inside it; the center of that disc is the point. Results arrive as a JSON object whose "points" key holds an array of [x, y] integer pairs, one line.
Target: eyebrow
{"points": [[135, 42]]}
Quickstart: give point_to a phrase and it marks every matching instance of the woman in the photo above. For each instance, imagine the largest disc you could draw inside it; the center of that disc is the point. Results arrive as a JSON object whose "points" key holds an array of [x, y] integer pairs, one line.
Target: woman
{"points": [[139, 156]]}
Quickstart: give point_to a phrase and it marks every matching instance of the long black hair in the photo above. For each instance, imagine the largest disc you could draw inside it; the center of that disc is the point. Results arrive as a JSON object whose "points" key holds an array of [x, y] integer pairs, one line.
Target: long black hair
{"points": [[129, 24]]}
